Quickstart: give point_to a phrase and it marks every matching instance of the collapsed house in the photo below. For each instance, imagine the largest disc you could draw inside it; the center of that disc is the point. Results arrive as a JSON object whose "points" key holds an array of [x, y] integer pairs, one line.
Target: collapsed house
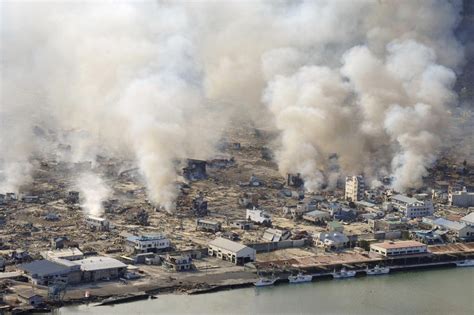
{"points": [[208, 225], [97, 224], [195, 170], [295, 180], [199, 205], [178, 262], [276, 235]]}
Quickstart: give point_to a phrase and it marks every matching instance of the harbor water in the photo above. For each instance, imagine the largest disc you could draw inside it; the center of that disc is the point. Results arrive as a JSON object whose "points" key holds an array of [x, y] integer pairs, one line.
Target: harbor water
{"points": [[436, 291]]}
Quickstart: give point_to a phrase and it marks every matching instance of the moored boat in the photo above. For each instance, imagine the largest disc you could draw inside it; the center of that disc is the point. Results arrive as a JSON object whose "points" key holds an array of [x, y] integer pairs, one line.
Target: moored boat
{"points": [[300, 278], [343, 273], [377, 270], [264, 282], [465, 263]]}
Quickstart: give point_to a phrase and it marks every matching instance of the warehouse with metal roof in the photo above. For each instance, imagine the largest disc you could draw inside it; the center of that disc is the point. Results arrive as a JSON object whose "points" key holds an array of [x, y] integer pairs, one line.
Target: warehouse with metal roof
{"points": [[234, 252]]}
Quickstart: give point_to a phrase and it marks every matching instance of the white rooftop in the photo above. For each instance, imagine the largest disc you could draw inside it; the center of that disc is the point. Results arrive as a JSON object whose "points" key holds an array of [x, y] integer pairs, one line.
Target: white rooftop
{"points": [[99, 263], [227, 245], [469, 219], [60, 253]]}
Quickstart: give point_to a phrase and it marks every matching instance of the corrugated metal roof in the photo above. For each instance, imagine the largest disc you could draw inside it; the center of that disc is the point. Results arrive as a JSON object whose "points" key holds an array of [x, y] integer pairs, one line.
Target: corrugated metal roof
{"points": [[451, 225], [44, 268], [228, 245]]}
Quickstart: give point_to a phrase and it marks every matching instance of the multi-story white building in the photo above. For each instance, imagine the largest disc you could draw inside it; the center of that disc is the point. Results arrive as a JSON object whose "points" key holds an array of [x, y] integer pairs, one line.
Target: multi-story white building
{"points": [[461, 198], [148, 243], [389, 249], [355, 187], [411, 207]]}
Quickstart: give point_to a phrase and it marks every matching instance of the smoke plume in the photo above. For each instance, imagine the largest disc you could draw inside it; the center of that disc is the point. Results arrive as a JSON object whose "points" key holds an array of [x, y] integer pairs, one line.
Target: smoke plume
{"points": [[158, 81], [93, 192]]}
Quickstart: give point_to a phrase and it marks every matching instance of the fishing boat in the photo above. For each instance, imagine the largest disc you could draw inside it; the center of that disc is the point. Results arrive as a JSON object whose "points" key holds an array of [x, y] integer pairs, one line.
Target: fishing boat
{"points": [[465, 263], [343, 273], [377, 270], [265, 282], [300, 278]]}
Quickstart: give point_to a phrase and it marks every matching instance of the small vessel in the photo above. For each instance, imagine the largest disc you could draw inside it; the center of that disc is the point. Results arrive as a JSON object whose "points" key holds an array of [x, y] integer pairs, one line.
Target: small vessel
{"points": [[377, 270], [465, 263], [300, 278], [265, 282], [343, 273]]}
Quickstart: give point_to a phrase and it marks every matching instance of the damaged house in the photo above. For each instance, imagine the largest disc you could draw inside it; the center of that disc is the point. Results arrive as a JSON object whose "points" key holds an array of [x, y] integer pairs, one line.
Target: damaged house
{"points": [[195, 170]]}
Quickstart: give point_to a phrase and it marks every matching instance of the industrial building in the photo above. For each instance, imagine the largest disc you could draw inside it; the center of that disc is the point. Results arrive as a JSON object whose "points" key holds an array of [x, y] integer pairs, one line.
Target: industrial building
{"points": [[461, 198], [236, 253], [390, 249], [45, 272], [355, 187], [100, 268], [147, 243], [411, 207]]}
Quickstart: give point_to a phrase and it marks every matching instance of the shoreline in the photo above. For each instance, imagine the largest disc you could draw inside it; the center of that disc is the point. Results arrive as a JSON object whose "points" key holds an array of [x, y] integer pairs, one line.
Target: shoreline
{"points": [[184, 290]]}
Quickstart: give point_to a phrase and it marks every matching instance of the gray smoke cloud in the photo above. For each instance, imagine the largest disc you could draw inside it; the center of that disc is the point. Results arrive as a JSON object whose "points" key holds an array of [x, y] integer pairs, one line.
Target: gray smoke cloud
{"points": [[158, 81]]}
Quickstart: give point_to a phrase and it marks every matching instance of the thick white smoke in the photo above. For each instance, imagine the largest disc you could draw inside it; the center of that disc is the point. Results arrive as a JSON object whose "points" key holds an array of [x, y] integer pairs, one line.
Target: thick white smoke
{"points": [[157, 81], [93, 192]]}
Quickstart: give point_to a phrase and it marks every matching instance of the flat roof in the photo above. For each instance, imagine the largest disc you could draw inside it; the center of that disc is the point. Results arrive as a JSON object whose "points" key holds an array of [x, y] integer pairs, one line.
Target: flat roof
{"points": [[99, 263], [399, 244], [148, 237], [450, 225], [65, 252], [405, 199], [44, 268], [228, 245]]}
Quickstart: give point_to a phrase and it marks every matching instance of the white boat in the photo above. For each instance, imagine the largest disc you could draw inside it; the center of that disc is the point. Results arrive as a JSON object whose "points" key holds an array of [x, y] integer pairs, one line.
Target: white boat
{"points": [[264, 282], [343, 273], [300, 278], [377, 270], [465, 263]]}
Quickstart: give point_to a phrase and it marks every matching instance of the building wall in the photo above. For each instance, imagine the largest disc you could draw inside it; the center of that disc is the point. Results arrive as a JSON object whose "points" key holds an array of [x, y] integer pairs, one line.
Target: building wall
{"points": [[236, 258], [398, 251], [461, 199], [355, 187]]}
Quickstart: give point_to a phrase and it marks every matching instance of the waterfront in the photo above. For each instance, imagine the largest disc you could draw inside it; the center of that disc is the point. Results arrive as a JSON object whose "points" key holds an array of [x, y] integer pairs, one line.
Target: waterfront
{"points": [[439, 291]]}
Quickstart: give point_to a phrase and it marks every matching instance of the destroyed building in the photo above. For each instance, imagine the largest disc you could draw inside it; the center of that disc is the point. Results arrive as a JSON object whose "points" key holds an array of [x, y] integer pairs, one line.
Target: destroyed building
{"points": [[295, 180], [195, 170], [73, 197], [199, 205]]}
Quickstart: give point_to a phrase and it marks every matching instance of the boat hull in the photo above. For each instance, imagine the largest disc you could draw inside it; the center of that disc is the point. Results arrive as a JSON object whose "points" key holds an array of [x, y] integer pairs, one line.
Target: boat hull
{"points": [[348, 274], [300, 279], [264, 283], [378, 272], [465, 263]]}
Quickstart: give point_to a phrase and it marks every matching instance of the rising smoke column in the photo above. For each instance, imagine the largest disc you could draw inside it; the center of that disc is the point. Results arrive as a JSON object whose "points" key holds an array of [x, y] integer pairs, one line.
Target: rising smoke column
{"points": [[156, 81], [93, 192], [124, 75], [398, 68]]}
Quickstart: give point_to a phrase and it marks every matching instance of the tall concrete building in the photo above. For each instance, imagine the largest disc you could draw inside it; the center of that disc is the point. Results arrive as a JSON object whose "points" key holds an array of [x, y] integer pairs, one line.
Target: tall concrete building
{"points": [[355, 187]]}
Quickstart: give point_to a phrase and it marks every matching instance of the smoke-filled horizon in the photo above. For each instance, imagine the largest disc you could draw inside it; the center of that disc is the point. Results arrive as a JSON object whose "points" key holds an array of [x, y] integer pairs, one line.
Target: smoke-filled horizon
{"points": [[157, 81]]}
